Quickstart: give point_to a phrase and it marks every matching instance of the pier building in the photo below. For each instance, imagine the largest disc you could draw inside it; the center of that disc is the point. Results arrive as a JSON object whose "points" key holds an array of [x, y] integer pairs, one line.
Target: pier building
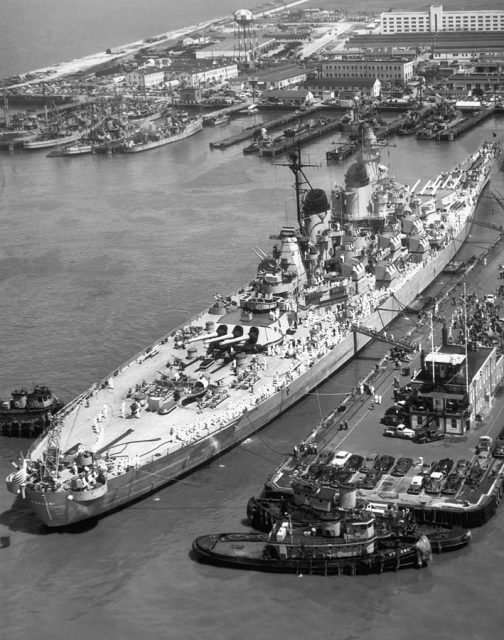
{"points": [[464, 82], [454, 387], [397, 71], [145, 77], [341, 87], [281, 77]]}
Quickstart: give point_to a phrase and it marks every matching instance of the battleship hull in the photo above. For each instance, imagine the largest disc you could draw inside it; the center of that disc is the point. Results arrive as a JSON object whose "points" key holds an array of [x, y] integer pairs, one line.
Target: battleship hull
{"points": [[46, 143], [56, 509], [183, 446]]}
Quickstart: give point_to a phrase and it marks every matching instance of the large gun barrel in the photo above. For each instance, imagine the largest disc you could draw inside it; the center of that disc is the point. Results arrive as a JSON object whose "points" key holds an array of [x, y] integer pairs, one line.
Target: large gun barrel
{"points": [[203, 336], [234, 340], [219, 338]]}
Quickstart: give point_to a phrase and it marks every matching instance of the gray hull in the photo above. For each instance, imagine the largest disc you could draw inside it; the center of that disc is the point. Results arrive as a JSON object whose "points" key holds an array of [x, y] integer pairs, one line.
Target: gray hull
{"points": [[61, 508]]}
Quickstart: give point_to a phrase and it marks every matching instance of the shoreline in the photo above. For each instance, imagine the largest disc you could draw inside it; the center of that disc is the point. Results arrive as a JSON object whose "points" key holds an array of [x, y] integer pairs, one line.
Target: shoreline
{"points": [[65, 68]]}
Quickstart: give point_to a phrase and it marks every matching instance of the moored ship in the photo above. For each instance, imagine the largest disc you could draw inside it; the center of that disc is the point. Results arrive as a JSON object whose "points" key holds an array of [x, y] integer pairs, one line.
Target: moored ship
{"points": [[143, 140], [313, 504], [214, 381], [28, 413], [52, 139], [350, 545]]}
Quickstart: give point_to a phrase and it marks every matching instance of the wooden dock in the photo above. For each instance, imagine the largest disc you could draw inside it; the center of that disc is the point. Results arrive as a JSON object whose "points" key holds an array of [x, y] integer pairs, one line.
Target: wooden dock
{"points": [[248, 133], [342, 151], [450, 133], [231, 110], [292, 143]]}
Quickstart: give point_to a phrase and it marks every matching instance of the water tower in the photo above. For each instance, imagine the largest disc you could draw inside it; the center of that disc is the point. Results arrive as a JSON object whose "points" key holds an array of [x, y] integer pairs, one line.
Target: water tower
{"points": [[244, 36]]}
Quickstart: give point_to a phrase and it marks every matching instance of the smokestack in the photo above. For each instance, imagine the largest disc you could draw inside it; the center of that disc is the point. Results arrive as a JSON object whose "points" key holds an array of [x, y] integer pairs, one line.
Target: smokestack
{"points": [[444, 335]]}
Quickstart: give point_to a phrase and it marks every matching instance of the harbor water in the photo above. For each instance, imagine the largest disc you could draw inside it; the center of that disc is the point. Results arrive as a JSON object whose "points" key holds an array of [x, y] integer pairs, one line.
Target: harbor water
{"points": [[99, 256]]}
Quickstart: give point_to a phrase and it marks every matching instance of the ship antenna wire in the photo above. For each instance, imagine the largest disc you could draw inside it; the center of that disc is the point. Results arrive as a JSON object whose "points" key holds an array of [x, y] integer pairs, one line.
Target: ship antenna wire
{"points": [[465, 343], [432, 348]]}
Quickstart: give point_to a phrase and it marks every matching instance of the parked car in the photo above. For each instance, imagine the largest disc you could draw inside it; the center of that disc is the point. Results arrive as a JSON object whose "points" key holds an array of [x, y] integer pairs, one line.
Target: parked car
{"points": [[400, 431], [340, 476], [354, 463], [444, 466], [474, 476], [462, 467], [402, 466], [498, 450], [453, 483], [369, 462], [341, 458], [483, 458], [393, 411], [384, 463], [397, 409], [427, 467], [416, 485], [434, 482], [500, 437], [422, 437], [392, 420], [371, 479], [484, 444]]}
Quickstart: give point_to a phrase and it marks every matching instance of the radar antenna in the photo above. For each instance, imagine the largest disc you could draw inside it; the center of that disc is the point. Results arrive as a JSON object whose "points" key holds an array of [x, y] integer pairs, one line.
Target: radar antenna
{"points": [[296, 166], [51, 461]]}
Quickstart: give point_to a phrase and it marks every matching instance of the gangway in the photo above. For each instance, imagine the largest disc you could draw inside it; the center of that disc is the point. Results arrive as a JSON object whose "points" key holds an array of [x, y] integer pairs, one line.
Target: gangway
{"points": [[489, 225], [498, 197], [382, 336]]}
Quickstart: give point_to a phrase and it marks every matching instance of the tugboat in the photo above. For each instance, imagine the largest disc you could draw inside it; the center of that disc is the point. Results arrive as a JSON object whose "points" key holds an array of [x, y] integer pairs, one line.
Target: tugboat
{"points": [[358, 257], [27, 413], [350, 545], [321, 505]]}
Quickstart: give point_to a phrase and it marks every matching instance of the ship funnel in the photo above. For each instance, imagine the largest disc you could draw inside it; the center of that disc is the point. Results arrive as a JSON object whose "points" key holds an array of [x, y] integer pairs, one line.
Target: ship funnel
{"points": [[315, 202], [357, 176], [347, 497], [444, 335]]}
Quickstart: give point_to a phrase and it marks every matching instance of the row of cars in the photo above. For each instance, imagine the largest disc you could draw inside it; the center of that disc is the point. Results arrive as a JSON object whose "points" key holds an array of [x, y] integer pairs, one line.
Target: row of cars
{"points": [[442, 477], [446, 477], [343, 465]]}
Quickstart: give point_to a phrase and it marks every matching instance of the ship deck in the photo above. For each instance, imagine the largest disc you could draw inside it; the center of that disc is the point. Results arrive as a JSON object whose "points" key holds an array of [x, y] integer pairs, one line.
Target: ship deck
{"points": [[122, 435]]}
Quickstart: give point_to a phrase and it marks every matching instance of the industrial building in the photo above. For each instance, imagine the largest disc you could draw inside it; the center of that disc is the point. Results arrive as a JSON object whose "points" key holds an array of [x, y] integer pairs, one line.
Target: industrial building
{"points": [[436, 19], [388, 69], [454, 387], [324, 88]]}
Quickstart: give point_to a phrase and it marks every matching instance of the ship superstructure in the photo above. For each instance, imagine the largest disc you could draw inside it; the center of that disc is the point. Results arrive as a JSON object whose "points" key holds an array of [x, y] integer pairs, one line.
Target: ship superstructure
{"points": [[357, 257]]}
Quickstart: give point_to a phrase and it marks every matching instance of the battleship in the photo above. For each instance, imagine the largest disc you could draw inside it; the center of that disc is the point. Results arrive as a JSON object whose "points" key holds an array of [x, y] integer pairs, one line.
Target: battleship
{"points": [[355, 259]]}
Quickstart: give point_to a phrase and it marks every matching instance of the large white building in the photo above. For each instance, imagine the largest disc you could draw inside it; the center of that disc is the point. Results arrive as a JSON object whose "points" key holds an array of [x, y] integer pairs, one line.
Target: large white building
{"points": [[435, 19], [145, 77], [388, 69]]}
